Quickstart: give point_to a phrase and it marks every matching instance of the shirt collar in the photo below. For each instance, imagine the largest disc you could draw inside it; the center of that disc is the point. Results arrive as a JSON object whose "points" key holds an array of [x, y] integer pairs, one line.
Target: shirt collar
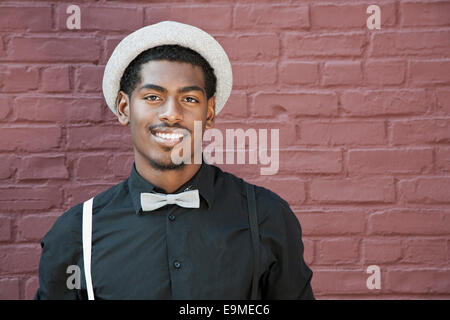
{"points": [[203, 180]]}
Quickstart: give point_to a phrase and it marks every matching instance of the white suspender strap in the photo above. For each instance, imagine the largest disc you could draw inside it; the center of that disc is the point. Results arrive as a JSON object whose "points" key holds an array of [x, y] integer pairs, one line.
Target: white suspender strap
{"points": [[87, 245]]}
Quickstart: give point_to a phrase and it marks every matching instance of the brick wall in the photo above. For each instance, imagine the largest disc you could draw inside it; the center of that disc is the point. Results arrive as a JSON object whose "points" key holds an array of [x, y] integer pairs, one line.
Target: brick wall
{"points": [[364, 119]]}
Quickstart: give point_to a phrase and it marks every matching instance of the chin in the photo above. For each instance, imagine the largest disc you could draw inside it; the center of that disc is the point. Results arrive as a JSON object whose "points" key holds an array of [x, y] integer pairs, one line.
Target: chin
{"points": [[165, 165]]}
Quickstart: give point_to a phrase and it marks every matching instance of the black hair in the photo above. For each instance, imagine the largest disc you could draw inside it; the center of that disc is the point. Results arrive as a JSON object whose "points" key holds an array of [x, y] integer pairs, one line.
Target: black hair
{"points": [[131, 76]]}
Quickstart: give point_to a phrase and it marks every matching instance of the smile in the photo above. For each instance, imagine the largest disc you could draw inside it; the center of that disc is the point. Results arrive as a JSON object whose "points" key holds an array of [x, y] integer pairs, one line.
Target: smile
{"points": [[169, 138]]}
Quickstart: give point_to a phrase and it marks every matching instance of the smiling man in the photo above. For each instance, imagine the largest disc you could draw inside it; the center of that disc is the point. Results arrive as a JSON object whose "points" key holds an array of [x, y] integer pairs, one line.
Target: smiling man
{"points": [[171, 230]]}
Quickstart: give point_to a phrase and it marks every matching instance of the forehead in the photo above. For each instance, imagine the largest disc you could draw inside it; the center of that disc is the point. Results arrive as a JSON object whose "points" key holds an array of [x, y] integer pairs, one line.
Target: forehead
{"points": [[171, 73]]}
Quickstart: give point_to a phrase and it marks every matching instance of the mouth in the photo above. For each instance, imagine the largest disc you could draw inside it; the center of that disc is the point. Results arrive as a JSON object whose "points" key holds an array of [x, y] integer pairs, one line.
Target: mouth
{"points": [[168, 137]]}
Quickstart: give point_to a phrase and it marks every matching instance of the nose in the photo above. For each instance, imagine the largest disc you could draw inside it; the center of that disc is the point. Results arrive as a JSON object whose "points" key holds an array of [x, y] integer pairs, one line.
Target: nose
{"points": [[171, 112]]}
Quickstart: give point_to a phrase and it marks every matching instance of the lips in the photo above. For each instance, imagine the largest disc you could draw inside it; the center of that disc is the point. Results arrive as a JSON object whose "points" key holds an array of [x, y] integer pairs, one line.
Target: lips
{"points": [[169, 137]]}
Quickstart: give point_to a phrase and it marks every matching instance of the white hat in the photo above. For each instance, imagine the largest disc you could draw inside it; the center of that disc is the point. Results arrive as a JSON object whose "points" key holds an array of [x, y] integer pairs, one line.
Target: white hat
{"points": [[168, 33]]}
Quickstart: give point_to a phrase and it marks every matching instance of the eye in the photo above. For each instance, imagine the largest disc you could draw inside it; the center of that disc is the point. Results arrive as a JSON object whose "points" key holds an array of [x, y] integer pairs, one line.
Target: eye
{"points": [[191, 100], [152, 98]]}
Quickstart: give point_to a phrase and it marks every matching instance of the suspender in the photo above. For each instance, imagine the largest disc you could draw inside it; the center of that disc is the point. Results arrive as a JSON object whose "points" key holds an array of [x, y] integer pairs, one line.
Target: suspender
{"points": [[253, 219], [87, 245]]}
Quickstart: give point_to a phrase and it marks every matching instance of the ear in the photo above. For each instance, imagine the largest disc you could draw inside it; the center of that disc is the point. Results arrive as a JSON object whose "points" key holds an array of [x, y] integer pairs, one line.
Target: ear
{"points": [[123, 108], [211, 113]]}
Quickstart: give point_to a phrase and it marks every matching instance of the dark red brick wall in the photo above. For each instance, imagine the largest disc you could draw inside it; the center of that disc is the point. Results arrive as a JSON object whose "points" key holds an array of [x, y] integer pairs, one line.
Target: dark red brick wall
{"points": [[364, 119]]}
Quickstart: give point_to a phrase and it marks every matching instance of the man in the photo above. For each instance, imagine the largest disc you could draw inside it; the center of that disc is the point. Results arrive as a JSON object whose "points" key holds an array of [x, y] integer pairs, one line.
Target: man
{"points": [[172, 230]]}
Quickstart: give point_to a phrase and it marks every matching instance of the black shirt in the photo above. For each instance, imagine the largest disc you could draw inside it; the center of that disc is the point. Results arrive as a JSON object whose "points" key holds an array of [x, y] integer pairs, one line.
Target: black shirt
{"points": [[175, 252]]}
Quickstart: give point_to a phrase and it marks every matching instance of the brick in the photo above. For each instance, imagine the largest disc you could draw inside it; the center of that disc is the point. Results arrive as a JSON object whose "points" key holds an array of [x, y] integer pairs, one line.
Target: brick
{"points": [[271, 16], [5, 107], [411, 281], [42, 167], [2, 48], [407, 43], [19, 259], [254, 74], [425, 13], [349, 16], [30, 198], [9, 289], [251, 47], [337, 133], [409, 221], [110, 45], [31, 286], [309, 104], [395, 161], [443, 159], [383, 251], [308, 252], [50, 109], [34, 227], [420, 131], [56, 79], [300, 45], [20, 79], [426, 190], [356, 190], [443, 101], [105, 18], [218, 16], [30, 138], [342, 73], [5, 229], [385, 72], [25, 18], [337, 251], [337, 281], [8, 166], [332, 223], [291, 190], [309, 161], [99, 137], [123, 163], [363, 103], [236, 106], [429, 72], [89, 167], [431, 252], [89, 78], [299, 73], [51, 49]]}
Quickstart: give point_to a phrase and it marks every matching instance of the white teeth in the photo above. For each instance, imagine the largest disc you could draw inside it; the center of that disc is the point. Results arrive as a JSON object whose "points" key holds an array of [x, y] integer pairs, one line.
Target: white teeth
{"points": [[169, 136]]}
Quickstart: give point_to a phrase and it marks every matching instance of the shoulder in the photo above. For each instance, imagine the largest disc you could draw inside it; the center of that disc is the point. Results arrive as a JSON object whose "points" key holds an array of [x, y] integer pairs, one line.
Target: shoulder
{"points": [[65, 226], [269, 204], [68, 226]]}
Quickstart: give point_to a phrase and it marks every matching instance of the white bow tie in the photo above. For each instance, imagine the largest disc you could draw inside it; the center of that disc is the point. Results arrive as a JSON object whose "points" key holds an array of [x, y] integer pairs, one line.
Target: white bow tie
{"points": [[153, 201]]}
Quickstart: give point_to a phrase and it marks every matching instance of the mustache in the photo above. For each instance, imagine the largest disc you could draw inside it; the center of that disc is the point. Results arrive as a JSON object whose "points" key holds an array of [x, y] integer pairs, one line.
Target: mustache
{"points": [[166, 126]]}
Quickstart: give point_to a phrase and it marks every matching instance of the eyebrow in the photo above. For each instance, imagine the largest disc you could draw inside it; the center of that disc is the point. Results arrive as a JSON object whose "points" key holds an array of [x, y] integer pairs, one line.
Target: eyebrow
{"points": [[164, 90]]}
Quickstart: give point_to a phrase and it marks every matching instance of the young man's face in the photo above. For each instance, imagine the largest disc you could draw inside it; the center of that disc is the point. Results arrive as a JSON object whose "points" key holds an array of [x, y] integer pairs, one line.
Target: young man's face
{"points": [[163, 107]]}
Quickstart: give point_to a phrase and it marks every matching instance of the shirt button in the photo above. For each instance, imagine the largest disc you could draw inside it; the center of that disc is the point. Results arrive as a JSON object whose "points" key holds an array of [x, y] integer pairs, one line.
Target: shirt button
{"points": [[177, 264], [171, 217]]}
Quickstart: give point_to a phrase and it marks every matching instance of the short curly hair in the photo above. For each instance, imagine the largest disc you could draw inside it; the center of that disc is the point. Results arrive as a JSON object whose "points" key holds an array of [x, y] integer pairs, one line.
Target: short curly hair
{"points": [[131, 76]]}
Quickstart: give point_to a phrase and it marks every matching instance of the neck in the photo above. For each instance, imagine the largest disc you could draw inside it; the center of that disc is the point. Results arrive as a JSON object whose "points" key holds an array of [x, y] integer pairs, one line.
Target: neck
{"points": [[168, 180]]}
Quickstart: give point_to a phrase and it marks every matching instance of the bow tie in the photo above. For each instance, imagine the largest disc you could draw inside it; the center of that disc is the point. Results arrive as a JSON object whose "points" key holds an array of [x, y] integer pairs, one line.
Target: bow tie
{"points": [[153, 201]]}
